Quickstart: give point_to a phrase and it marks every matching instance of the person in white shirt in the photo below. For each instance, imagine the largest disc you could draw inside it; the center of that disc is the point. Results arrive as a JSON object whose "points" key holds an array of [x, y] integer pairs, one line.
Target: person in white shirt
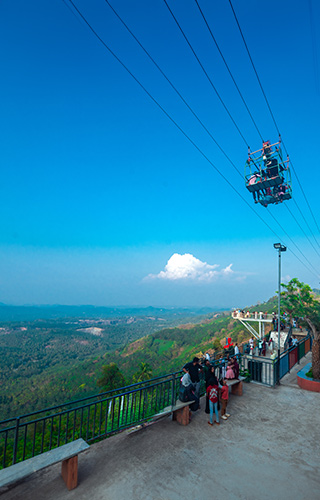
{"points": [[236, 349]]}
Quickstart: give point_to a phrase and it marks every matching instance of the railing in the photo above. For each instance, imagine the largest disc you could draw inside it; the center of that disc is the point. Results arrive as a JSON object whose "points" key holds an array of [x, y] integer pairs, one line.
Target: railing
{"points": [[292, 356], [97, 417], [268, 371], [252, 315], [92, 418]]}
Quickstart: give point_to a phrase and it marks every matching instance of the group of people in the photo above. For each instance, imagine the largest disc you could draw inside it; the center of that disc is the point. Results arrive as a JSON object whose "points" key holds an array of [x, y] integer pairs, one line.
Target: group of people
{"points": [[217, 391], [271, 169]]}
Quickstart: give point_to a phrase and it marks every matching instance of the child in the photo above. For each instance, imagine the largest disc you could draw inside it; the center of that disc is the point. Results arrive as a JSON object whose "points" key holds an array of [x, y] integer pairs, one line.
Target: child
{"points": [[224, 399], [212, 391], [230, 373]]}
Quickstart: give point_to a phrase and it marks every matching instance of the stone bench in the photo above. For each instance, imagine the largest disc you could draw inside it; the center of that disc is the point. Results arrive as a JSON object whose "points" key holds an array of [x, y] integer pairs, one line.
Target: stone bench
{"points": [[236, 385], [180, 413], [67, 454]]}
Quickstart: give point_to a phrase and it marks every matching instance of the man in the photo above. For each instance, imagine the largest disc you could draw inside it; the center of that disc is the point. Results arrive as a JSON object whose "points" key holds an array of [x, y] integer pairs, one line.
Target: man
{"points": [[236, 349], [194, 368]]}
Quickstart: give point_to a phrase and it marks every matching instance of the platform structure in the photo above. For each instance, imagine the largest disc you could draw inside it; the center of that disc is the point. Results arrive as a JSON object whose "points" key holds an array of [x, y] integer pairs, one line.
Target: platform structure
{"points": [[253, 322]]}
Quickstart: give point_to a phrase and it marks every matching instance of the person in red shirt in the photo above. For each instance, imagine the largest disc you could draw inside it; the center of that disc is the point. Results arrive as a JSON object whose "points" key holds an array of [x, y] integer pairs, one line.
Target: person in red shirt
{"points": [[224, 400], [213, 394]]}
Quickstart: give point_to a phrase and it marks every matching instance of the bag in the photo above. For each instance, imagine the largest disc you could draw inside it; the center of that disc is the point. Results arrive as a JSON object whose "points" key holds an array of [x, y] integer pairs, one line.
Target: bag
{"points": [[183, 394]]}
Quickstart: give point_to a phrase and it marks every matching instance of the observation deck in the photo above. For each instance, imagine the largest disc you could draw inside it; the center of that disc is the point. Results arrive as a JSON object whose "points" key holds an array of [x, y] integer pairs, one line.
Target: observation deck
{"points": [[250, 320]]}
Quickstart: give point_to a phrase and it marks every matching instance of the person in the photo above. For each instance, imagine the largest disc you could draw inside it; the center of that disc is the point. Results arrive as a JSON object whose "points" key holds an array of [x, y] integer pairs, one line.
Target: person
{"points": [[207, 357], [208, 370], [294, 341], [230, 373], [224, 400], [264, 347], [236, 349], [187, 392], [251, 342], [271, 345], [260, 347], [236, 368], [213, 396], [194, 369]]}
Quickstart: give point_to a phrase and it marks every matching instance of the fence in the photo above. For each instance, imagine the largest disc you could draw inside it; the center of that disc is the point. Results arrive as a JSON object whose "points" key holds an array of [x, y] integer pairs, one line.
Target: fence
{"points": [[91, 418], [102, 415], [269, 372]]}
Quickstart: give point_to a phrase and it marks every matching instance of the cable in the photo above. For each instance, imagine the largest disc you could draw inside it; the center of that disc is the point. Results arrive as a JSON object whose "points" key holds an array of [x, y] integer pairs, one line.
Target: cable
{"points": [[173, 87], [294, 245], [272, 115], [225, 62], [305, 220], [179, 128], [302, 227], [208, 77], [176, 90]]}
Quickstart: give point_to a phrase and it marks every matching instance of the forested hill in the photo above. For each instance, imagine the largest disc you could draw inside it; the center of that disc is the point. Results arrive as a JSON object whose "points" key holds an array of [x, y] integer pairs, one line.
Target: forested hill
{"points": [[48, 362]]}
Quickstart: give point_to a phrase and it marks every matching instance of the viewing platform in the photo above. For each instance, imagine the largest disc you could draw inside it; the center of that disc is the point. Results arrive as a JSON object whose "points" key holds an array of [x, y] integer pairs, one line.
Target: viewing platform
{"points": [[247, 317], [269, 442]]}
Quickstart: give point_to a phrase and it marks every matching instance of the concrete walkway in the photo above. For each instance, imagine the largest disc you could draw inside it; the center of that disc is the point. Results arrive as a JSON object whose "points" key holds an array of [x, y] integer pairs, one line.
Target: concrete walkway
{"points": [[267, 449]]}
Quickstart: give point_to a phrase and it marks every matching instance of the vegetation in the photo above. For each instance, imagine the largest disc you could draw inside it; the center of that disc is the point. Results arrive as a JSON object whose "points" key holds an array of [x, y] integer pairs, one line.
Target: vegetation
{"points": [[300, 301], [111, 378]]}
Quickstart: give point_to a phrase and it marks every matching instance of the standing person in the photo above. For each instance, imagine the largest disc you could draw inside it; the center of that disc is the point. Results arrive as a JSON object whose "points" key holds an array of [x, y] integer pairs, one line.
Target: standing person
{"points": [[230, 373], [251, 342], [194, 368], [236, 368], [224, 400], [213, 394], [236, 349], [271, 345], [264, 347], [208, 370], [260, 347]]}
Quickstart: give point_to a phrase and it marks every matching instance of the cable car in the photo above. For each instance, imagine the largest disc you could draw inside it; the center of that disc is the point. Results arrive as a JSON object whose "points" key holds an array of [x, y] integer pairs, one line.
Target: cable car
{"points": [[267, 175]]}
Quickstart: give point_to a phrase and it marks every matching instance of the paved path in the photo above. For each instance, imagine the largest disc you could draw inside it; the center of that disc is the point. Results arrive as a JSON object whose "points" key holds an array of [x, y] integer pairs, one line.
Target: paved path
{"points": [[267, 450]]}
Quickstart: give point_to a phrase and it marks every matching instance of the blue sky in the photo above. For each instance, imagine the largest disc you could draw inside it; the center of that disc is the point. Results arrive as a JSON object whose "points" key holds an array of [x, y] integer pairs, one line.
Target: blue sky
{"points": [[99, 189]]}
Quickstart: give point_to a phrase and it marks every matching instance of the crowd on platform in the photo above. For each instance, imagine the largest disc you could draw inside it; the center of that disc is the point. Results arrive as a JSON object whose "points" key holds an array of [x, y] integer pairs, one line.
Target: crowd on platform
{"points": [[215, 376]]}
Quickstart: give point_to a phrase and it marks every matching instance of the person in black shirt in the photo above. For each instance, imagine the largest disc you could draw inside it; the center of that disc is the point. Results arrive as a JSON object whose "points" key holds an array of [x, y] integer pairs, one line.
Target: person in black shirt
{"points": [[194, 369]]}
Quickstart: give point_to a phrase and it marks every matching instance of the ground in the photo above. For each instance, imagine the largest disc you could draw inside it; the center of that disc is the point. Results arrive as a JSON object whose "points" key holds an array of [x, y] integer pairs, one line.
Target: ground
{"points": [[267, 449]]}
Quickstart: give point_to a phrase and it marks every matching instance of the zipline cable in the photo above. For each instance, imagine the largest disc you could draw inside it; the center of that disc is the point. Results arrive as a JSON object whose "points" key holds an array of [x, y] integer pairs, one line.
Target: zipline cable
{"points": [[270, 110], [274, 218], [180, 129], [226, 64], [173, 87], [206, 74], [182, 98]]}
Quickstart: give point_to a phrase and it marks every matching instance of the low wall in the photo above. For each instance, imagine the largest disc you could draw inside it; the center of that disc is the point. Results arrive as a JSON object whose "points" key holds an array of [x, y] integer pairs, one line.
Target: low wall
{"points": [[306, 383]]}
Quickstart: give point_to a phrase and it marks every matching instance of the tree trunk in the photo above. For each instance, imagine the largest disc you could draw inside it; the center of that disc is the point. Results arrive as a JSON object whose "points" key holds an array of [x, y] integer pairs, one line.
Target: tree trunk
{"points": [[316, 358]]}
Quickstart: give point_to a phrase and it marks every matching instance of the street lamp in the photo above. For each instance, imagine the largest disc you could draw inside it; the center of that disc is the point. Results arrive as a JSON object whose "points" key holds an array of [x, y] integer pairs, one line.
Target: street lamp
{"points": [[280, 248]]}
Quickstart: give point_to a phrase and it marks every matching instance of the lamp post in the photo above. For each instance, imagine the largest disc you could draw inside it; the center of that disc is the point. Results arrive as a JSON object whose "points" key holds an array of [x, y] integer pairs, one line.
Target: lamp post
{"points": [[280, 248]]}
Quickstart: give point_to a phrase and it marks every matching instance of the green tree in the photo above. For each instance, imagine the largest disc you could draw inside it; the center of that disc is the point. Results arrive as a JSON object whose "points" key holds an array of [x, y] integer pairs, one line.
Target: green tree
{"points": [[111, 378], [144, 373], [298, 300]]}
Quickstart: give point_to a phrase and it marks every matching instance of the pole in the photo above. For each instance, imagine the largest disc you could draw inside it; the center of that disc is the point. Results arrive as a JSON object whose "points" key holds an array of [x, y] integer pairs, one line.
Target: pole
{"points": [[279, 285]]}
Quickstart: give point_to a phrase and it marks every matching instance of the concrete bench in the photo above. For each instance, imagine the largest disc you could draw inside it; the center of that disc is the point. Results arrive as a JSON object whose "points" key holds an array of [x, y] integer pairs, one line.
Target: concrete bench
{"points": [[180, 413], [236, 385], [67, 454]]}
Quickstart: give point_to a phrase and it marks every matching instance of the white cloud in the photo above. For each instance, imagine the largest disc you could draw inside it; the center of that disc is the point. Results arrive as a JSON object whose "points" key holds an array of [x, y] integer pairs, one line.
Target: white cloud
{"points": [[188, 267]]}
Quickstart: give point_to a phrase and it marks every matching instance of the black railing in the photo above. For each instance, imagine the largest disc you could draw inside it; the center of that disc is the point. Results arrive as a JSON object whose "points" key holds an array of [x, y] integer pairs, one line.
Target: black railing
{"points": [[91, 418], [99, 416]]}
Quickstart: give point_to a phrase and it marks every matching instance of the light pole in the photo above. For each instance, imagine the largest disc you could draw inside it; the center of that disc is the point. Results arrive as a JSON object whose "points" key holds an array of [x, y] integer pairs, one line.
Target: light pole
{"points": [[280, 248]]}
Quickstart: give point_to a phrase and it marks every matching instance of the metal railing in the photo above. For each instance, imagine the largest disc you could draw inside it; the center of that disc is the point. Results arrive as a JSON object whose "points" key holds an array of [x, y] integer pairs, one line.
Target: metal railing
{"points": [[91, 418], [270, 372], [99, 416]]}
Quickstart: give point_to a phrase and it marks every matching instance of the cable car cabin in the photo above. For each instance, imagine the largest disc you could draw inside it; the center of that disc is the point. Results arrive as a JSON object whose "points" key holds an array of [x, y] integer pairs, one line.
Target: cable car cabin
{"points": [[267, 175]]}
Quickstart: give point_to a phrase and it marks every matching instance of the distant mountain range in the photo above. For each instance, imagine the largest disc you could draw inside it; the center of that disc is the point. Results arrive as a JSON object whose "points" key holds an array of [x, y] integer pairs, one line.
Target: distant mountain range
{"points": [[31, 313]]}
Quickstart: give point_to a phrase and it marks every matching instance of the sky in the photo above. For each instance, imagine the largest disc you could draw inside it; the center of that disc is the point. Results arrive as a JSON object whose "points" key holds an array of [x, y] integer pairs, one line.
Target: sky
{"points": [[108, 198]]}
